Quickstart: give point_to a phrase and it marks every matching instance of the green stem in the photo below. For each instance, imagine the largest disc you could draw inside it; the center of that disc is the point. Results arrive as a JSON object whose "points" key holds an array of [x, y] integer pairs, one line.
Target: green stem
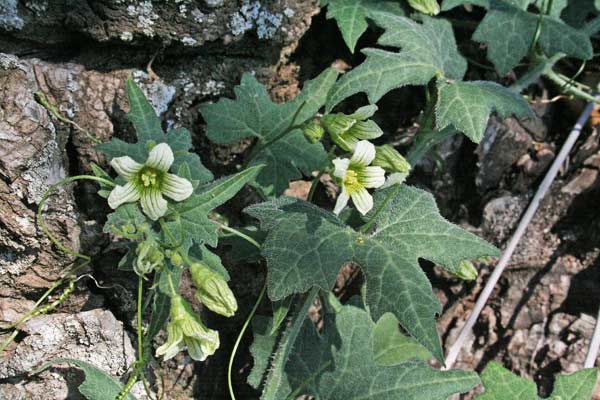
{"points": [[371, 220], [239, 339], [554, 77], [315, 182], [140, 334], [240, 234], [291, 127]]}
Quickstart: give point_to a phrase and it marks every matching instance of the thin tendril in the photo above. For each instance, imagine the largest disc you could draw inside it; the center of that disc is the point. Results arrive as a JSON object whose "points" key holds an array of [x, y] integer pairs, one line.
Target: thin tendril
{"points": [[239, 339]]}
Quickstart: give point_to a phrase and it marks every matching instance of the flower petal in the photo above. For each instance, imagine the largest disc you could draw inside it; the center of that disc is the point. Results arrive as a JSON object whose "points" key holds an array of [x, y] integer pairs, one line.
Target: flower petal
{"points": [[366, 130], [126, 166], [123, 194], [160, 157], [362, 200], [194, 347], [364, 112], [153, 204], [341, 202], [372, 177], [176, 187], [341, 166], [364, 153], [173, 344]]}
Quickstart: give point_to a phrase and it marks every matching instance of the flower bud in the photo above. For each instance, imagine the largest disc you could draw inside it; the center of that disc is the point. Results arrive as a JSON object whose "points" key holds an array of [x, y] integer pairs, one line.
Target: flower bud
{"points": [[389, 159], [213, 290], [149, 257], [347, 130], [429, 7], [186, 329], [466, 270], [313, 132], [176, 259]]}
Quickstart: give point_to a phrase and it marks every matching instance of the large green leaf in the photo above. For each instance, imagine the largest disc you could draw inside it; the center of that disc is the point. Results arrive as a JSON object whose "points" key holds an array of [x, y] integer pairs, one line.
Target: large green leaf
{"points": [[508, 31], [189, 218], [501, 384], [427, 50], [98, 385], [340, 365], [467, 106], [148, 131], [306, 247], [253, 114], [351, 16]]}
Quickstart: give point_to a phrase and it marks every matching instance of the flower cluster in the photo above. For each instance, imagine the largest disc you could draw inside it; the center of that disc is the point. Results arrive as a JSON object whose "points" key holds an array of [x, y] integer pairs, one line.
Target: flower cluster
{"points": [[368, 164]]}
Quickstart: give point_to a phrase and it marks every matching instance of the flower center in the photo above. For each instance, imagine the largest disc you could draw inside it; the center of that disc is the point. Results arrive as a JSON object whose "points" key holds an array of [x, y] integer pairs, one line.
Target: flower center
{"points": [[351, 178], [149, 178]]}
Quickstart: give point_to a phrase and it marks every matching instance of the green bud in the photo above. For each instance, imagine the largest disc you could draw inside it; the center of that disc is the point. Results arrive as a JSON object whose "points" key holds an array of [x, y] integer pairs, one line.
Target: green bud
{"points": [[313, 132], [176, 259], [389, 159], [429, 7], [213, 290], [149, 257], [466, 271], [347, 130]]}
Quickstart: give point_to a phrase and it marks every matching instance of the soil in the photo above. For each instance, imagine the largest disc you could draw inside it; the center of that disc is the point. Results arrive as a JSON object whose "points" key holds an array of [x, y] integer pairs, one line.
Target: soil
{"points": [[538, 322]]}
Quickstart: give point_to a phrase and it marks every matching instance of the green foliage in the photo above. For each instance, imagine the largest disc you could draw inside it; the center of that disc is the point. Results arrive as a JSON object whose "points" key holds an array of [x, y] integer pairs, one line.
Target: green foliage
{"points": [[189, 218], [281, 146], [392, 347], [340, 364], [467, 106], [501, 384], [148, 131], [428, 50], [306, 247], [351, 16], [98, 385], [509, 31]]}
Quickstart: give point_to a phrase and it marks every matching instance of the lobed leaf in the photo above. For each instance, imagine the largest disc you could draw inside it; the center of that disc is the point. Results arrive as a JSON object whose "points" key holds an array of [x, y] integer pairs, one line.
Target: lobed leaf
{"points": [[508, 31], [253, 114], [427, 50], [351, 16], [467, 106], [340, 365], [306, 247]]}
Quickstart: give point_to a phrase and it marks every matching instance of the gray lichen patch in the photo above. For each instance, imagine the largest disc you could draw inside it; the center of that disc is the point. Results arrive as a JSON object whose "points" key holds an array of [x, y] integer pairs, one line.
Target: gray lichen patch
{"points": [[159, 94], [255, 15], [9, 19]]}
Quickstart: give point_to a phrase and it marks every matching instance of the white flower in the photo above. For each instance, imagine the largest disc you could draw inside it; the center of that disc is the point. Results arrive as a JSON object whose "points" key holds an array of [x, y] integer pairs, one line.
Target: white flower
{"points": [[357, 176], [148, 182]]}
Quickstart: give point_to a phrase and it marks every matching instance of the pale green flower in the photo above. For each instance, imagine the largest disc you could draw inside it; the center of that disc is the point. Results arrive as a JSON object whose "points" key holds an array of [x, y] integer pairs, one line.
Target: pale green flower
{"points": [[148, 182], [186, 329], [430, 7], [347, 130], [213, 291], [356, 176], [392, 161]]}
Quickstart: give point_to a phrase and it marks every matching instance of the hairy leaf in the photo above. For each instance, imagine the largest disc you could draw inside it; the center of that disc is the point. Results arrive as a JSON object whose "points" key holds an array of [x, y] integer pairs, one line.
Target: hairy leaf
{"points": [[306, 247], [189, 219], [98, 385], [508, 31], [501, 384], [340, 365], [467, 106], [287, 155], [351, 16], [427, 50]]}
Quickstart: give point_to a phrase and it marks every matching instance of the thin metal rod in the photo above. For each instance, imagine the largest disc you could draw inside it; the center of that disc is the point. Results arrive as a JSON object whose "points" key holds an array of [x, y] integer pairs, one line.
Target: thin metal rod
{"points": [[592, 355], [514, 241]]}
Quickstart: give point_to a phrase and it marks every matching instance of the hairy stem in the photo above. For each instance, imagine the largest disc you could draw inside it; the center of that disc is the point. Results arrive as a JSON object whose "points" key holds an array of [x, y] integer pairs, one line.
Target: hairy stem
{"points": [[570, 88], [240, 234]]}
